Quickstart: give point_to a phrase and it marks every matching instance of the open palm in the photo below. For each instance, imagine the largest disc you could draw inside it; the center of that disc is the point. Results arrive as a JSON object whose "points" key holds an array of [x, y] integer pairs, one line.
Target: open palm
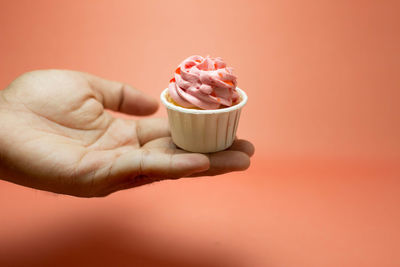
{"points": [[56, 135]]}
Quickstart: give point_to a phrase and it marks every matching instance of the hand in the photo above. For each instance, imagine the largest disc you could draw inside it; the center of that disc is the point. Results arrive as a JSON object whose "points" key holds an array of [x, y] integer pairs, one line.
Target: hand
{"points": [[56, 135]]}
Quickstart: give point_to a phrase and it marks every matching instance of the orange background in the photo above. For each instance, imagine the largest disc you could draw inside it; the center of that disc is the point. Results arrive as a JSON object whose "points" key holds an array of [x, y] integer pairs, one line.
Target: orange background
{"points": [[323, 84]]}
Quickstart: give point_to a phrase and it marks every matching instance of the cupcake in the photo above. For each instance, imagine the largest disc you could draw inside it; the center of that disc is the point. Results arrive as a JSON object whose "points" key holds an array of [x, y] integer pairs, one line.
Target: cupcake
{"points": [[203, 104]]}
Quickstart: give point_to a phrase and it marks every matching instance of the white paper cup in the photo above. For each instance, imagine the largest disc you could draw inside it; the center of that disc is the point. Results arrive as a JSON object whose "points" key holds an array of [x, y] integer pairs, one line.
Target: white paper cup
{"points": [[203, 131]]}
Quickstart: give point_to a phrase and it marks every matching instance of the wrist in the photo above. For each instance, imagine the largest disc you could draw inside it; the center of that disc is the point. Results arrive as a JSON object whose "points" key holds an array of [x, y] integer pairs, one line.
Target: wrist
{"points": [[2, 158], [4, 171]]}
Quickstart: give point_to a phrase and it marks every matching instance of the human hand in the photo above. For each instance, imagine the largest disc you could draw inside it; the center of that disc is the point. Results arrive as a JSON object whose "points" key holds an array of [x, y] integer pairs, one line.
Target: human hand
{"points": [[56, 135]]}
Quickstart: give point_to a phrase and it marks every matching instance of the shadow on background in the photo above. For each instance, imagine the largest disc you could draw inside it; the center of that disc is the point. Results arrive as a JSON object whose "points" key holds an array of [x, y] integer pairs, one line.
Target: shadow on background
{"points": [[104, 243]]}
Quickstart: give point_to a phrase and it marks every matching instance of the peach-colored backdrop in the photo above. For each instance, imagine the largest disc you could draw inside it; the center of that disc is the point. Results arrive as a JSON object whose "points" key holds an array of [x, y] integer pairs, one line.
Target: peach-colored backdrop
{"points": [[323, 83]]}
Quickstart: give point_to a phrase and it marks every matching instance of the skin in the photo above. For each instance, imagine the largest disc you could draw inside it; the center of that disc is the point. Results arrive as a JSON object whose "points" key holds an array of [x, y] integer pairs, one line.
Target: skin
{"points": [[56, 134]]}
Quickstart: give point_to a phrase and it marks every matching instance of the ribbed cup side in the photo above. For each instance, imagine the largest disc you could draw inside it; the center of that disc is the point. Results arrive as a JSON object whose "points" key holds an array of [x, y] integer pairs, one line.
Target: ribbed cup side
{"points": [[203, 133]]}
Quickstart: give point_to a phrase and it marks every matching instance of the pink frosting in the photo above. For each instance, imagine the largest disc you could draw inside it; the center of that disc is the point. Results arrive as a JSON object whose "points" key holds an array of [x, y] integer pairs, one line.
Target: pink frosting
{"points": [[205, 83]]}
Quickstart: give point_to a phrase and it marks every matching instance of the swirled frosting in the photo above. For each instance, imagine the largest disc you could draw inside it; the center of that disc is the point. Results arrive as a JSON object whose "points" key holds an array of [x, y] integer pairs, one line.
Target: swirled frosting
{"points": [[203, 82]]}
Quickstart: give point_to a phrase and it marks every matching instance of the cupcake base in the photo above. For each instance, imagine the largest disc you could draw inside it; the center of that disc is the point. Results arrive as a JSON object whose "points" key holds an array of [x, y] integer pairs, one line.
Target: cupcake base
{"points": [[203, 131]]}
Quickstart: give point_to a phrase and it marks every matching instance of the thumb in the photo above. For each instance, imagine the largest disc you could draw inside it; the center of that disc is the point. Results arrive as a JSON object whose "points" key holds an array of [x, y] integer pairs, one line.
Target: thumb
{"points": [[121, 97]]}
